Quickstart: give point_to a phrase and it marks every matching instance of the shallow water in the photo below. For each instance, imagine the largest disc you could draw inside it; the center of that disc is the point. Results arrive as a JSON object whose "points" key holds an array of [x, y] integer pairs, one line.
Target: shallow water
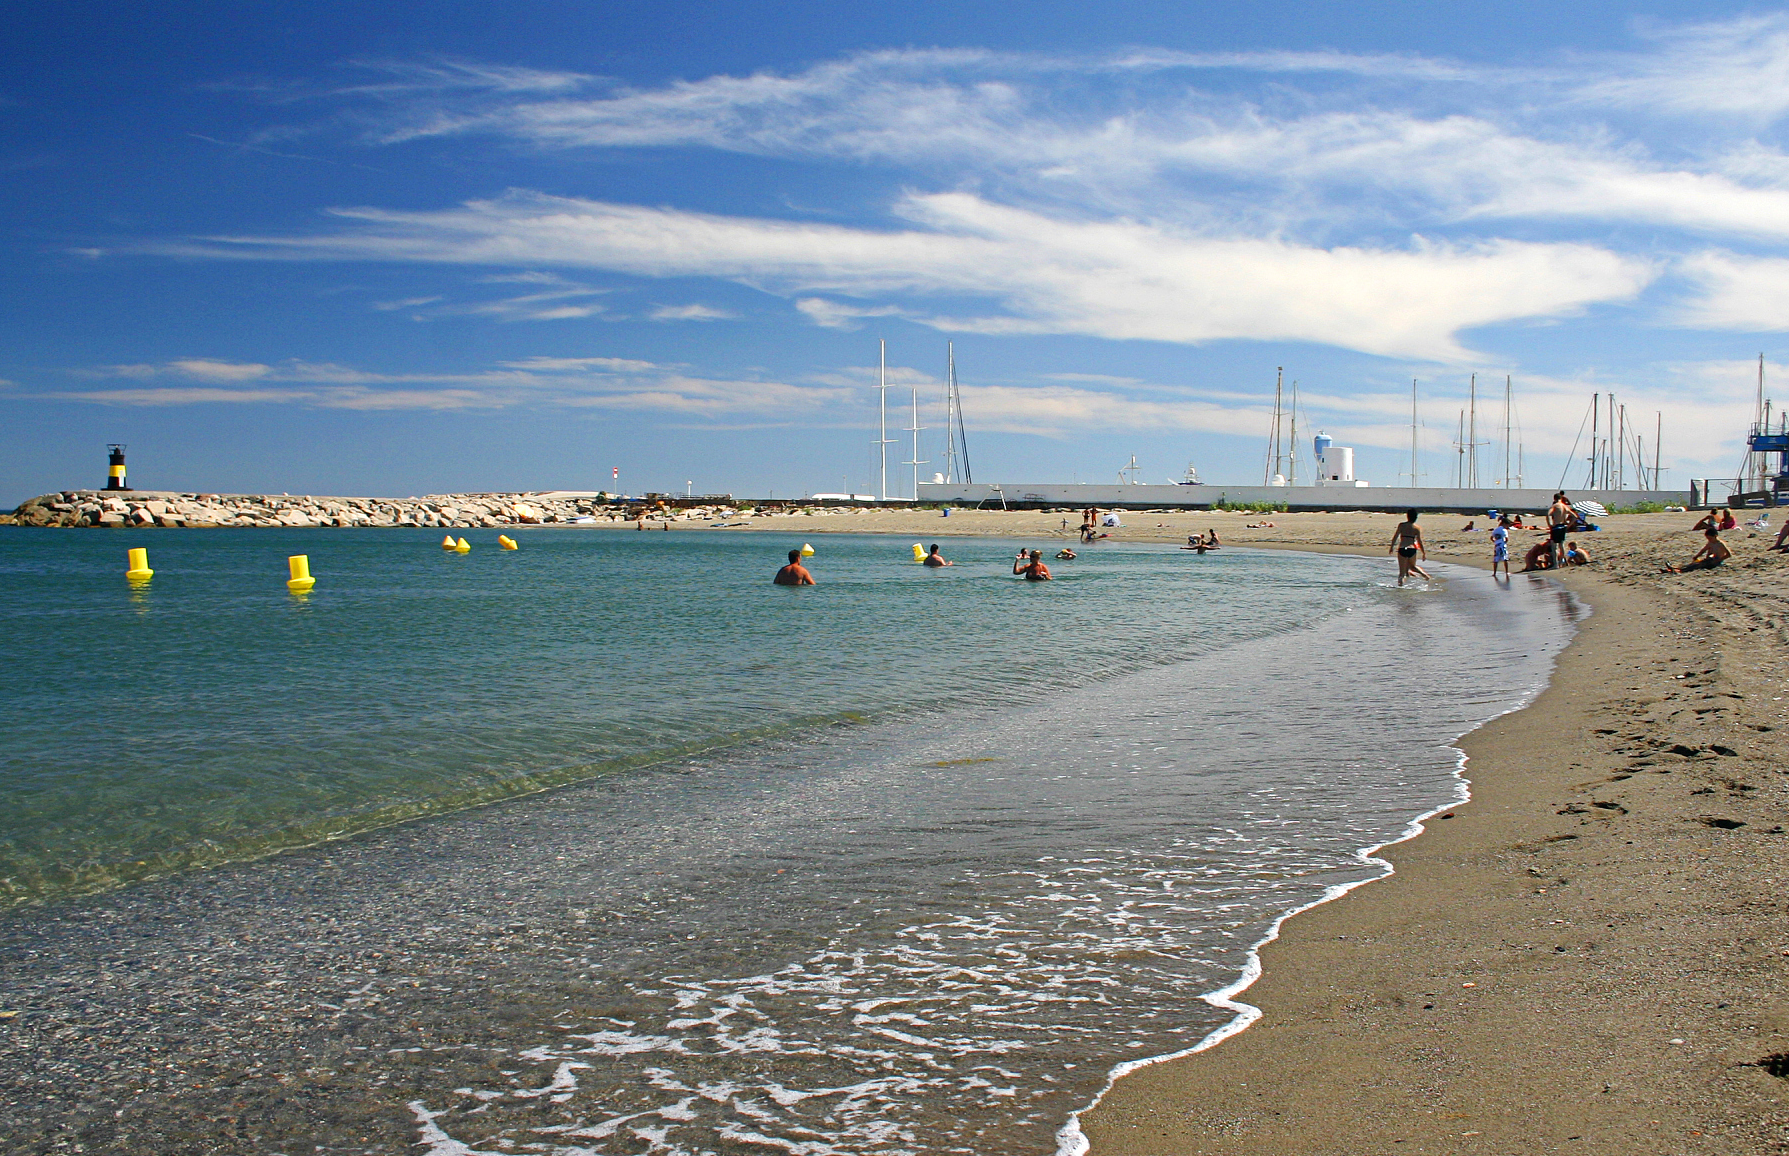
{"points": [[1071, 813], [212, 716]]}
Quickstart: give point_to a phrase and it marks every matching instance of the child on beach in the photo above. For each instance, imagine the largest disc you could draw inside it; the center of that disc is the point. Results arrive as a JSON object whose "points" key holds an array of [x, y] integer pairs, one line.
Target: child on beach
{"points": [[1712, 554], [1500, 547]]}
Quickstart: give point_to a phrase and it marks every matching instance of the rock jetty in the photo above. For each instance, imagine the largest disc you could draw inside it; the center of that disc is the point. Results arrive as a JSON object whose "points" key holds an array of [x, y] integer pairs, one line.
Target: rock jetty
{"points": [[466, 511]]}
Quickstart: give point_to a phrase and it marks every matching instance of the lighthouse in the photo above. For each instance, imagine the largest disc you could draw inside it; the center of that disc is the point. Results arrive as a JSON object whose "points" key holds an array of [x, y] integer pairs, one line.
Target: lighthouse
{"points": [[115, 475]]}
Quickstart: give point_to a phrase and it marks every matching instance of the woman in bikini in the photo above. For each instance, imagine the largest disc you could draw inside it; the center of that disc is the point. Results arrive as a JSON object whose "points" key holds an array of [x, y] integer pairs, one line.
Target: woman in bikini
{"points": [[1407, 543]]}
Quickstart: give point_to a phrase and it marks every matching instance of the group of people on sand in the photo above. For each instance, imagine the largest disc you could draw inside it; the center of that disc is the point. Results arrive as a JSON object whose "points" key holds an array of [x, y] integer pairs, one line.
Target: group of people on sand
{"points": [[1558, 549], [1550, 553]]}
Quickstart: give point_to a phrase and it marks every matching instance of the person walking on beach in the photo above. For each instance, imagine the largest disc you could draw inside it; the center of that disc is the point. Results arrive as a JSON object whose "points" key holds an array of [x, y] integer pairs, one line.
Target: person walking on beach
{"points": [[1031, 565], [1560, 517], [934, 559], [1500, 547], [1406, 543], [794, 574]]}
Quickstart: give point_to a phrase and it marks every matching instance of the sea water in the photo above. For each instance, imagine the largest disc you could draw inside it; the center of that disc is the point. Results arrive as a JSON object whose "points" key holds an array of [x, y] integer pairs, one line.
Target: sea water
{"points": [[908, 861]]}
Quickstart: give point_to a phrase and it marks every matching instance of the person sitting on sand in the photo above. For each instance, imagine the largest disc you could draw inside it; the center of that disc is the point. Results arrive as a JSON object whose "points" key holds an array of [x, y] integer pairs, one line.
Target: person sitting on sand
{"points": [[1406, 542], [1469, 528], [1782, 536], [1031, 565], [1712, 554], [1539, 557], [1721, 519], [1576, 555], [794, 574], [1065, 554], [1517, 523], [1211, 540], [934, 559]]}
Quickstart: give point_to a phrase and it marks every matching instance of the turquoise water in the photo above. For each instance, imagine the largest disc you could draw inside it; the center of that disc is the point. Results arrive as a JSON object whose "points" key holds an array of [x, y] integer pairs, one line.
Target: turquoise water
{"points": [[212, 716], [903, 863]]}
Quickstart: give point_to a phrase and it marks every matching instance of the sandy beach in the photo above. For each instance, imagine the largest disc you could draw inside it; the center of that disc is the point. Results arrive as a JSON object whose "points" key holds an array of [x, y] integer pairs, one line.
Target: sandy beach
{"points": [[1591, 955]]}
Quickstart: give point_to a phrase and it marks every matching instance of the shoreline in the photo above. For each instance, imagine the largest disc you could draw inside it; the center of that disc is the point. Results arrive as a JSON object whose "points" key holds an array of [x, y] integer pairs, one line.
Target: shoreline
{"points": [[1400, 1015], [1606, 797]]}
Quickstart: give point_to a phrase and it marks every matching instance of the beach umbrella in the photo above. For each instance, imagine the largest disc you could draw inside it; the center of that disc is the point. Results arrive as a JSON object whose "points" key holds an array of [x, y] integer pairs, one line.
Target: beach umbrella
{"points": [[1594, 509]]}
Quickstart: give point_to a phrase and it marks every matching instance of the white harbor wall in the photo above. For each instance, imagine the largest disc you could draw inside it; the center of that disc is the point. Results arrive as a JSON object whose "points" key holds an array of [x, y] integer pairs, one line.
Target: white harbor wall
{"points": [[1475, 501]]}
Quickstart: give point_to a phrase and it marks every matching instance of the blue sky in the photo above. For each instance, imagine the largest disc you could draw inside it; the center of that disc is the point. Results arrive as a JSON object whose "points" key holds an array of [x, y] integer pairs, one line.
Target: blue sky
{"points": [[415, 248]]}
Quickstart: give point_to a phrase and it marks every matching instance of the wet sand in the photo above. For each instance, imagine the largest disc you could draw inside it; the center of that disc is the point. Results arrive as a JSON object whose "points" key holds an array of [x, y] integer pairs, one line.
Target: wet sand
{"points": [[1592, 955]]}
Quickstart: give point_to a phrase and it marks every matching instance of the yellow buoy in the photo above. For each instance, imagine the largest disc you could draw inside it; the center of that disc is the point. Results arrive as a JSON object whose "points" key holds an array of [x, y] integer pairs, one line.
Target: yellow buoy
{"points": [[447, 543], [919, 552], [301, 580], [139, 565], [507, 542], [462, 546], [807, 551]]}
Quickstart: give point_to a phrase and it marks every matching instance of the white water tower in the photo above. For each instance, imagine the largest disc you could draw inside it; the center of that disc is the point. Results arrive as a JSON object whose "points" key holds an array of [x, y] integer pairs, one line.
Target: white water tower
{"points": [[1335, 464]]}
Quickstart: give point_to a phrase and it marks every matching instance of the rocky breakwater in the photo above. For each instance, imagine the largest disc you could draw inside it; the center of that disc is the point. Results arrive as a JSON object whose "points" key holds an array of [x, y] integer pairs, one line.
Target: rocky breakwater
{"points": [[465, 511]]}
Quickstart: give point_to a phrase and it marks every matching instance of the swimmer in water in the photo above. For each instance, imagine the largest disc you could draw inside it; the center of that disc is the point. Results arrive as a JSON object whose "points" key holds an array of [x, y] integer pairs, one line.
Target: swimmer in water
{"points": [[934, 559], [1065, 554], [794, 574], [1031, 565]]}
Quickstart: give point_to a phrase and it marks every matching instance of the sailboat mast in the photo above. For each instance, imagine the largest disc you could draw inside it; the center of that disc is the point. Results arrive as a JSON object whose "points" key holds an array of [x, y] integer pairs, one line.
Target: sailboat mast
{"points": [[1272, 466], [950, 413], [1413, 474], [1292, 456], [1506, 412], [1460, 452], [950, 426], [1472, 433], [1658, 439], [962, 431], [914, 430], [882, 435]]}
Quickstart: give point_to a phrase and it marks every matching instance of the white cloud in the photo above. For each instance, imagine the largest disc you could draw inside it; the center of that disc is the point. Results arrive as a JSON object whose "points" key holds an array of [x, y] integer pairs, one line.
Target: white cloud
{"points": [[580, 364], [690, 313], [1737, 67], [838, 315], [552, 382], [1743, 293], [194, 368], [1114, 279]]}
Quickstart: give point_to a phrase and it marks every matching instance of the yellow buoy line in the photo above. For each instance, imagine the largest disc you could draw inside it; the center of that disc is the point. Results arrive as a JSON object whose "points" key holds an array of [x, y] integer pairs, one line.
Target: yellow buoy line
{"points": [[298, 566]]}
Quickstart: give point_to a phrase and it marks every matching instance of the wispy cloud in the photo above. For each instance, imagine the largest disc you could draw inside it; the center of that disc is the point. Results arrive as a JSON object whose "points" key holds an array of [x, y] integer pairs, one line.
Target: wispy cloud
{"points": [[690, 313], [541, 382], [1115, 279]]}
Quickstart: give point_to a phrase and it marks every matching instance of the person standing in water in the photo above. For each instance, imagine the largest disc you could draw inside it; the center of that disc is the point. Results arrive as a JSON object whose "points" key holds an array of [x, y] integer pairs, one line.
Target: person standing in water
{"points": [[1031, 565], [794, 574], [934, 559], [1406, 543], [1500, 547]]}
